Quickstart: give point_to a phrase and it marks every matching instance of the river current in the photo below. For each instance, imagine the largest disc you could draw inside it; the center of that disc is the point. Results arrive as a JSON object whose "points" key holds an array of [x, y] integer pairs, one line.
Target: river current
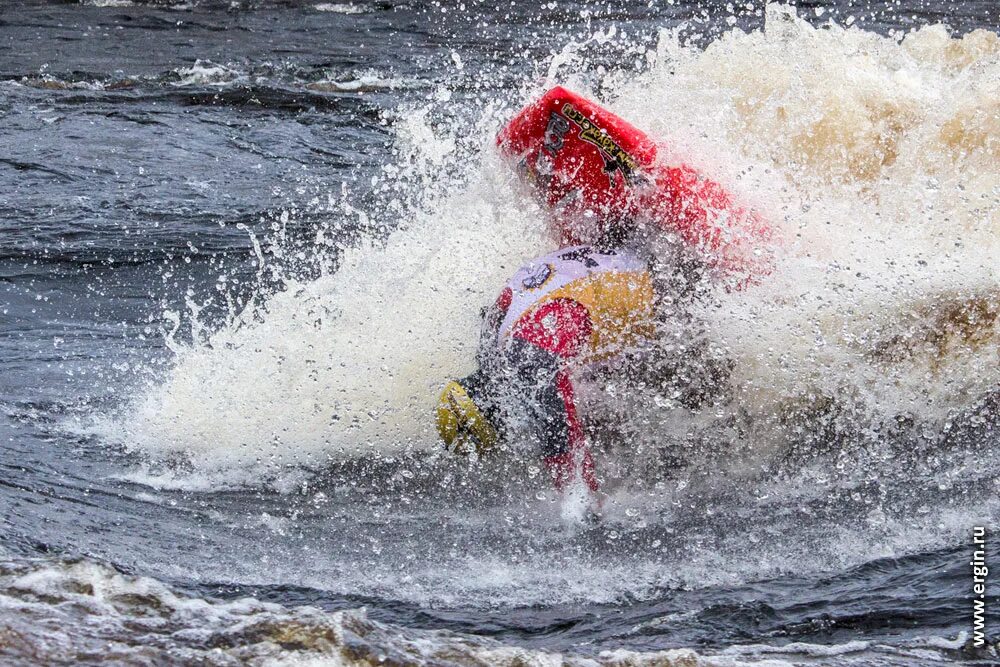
{"points": [[243, 242]]}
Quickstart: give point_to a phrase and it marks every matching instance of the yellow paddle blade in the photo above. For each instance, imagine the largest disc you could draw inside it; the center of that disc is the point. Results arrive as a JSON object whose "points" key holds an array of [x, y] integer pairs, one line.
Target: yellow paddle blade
{"points": [[460, 421]]}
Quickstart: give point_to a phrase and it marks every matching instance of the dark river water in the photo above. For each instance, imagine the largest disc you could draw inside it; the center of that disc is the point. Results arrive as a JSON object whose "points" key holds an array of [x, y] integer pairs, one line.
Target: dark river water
{"points": [[242, 242]]}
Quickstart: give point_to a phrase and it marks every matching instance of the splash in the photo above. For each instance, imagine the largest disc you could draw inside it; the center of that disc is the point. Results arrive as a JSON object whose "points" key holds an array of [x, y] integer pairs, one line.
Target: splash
{"points": [[874, 156], [349, 363]]}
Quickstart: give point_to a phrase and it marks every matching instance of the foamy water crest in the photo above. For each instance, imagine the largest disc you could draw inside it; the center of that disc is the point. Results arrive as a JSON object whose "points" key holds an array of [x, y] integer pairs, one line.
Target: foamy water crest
{"points": [[874, 157], [76, 611]]}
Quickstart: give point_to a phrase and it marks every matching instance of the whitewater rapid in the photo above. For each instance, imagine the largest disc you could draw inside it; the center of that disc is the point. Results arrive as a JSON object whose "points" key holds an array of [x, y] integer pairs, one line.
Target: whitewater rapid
{"points": [[873, 156]]}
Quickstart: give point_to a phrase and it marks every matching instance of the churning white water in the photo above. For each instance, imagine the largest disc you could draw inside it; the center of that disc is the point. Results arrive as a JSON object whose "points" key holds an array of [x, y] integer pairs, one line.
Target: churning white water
{"points": [[874, 157]]}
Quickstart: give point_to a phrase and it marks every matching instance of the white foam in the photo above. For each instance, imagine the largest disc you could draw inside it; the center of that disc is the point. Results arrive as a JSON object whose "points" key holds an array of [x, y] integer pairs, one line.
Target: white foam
{"points": [[801, 648], [874, 159], [205, 72], [364, 81], [107, 3], [57, 609], [350, 363], [65, 609], [889, 221], [339, 8]]}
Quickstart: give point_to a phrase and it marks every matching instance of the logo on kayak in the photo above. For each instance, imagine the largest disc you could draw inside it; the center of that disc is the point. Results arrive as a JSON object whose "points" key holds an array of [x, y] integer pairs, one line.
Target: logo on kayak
{"points": [[615, 157], [537, 276], [555, 131]]}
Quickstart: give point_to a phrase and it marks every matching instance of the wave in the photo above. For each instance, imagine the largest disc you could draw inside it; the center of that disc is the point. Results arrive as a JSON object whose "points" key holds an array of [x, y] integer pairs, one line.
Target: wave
{"points": [[340, 8], [236, 5], [151, 236], [108, 3], [872, 155], [257, 80], [81, 610]]}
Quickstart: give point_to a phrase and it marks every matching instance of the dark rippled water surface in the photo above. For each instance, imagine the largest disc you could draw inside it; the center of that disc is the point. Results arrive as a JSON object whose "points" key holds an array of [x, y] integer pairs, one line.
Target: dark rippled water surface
{"points": [[155, 155]]}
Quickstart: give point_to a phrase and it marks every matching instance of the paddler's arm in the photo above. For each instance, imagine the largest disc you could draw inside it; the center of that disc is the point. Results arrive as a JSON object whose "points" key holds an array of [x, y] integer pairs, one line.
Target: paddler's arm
{"points": [[576, 457], [544, 343]]}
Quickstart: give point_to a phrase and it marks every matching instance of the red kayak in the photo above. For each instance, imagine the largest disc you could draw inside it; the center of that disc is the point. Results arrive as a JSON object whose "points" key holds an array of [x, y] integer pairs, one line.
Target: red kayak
{"points": [[595, 171]]}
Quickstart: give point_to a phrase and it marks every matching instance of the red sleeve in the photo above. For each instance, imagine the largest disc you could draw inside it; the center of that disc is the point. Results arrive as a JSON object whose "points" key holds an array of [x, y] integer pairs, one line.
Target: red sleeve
{"points": [[733, 238]]}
